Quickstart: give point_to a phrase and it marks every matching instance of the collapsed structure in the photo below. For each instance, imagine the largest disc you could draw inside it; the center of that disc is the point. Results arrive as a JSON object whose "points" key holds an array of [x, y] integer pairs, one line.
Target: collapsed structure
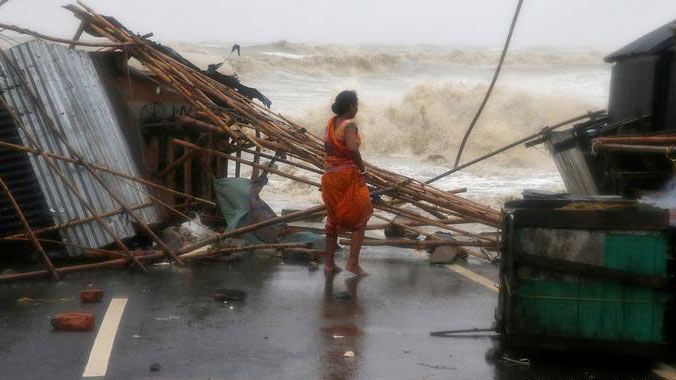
{"points": [[591, 270], [629, 150], [95, 151]]}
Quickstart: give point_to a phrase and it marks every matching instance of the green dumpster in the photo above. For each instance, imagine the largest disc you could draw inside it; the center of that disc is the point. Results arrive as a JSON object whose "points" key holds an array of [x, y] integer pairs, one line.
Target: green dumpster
{"points": [[585, 276]]}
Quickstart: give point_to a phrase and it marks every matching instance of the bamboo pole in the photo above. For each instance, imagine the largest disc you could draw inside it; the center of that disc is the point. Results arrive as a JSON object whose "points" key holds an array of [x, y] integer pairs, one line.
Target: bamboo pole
{"points": [[422, 244], [40, 36], [242, 248], [73, 152], [428, 235], [63, 244], [205, 126], [238, 163], [666, 150], [78, 34], [38, 152], [257, 157], [664, 140], [45, 258], [111, 255], [170, 208], [285, 161], [420, 218], [372, 227], [228, 110], [83, 201], [252, 227], [246, 162], [211, 127], [75, 222], [80, 268], [173, 165], [510, 146]]}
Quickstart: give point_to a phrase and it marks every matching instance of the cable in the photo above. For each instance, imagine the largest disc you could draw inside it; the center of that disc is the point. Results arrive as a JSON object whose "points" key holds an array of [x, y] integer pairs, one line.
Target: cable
{"points": [[490, 88]]}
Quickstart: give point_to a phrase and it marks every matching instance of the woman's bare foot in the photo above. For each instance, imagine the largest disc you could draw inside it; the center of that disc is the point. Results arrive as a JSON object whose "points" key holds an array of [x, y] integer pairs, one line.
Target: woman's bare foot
{"points": [[332, 269], [356, 269]]}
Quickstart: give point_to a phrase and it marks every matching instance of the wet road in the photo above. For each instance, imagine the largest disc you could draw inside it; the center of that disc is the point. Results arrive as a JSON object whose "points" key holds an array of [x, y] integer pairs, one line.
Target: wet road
{"points": [[295, 324]]}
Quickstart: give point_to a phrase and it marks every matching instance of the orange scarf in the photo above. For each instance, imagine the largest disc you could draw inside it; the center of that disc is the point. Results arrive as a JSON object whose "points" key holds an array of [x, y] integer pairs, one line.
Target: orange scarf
{"points": [[336, 150]]}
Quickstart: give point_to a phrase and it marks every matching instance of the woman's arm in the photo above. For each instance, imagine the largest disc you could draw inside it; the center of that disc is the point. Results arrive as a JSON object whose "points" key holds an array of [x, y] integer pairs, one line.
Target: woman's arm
{"points": [[351, 143]]}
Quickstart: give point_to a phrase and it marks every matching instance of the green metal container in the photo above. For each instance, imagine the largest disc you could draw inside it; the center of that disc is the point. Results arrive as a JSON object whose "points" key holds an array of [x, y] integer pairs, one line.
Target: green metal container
{"points": [[585, 276]]}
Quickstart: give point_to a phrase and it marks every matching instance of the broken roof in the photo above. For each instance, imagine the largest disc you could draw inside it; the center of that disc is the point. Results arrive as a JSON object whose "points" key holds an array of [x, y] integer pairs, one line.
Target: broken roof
{"points": [[66, 81], [652, 43]]}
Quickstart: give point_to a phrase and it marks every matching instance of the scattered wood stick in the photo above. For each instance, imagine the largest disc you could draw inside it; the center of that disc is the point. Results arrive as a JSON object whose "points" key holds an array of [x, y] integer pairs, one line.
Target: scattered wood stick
{"points": [[41, 36], [43, 254], [422, 244]]}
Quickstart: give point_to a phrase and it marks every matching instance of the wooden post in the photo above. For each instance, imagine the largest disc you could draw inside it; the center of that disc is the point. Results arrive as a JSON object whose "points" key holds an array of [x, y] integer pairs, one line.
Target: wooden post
{"points": [[219, 160], [225, 159], [187, 176], [170, 177], [257, 158], [78, 34], [45, 258], [238, 163], [152, 159]]}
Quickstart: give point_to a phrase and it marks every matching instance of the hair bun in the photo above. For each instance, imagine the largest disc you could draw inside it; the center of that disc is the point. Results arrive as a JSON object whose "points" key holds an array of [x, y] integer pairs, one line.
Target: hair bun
{"points": [[343, 102]]}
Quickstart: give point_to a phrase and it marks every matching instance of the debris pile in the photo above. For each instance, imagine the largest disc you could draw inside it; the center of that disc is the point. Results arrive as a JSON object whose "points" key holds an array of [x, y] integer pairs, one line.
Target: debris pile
{"points": [[84, 151]]}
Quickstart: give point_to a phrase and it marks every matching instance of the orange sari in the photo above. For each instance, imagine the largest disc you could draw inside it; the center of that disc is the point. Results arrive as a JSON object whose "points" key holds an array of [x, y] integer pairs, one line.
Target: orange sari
{"points": [[348, 203]]}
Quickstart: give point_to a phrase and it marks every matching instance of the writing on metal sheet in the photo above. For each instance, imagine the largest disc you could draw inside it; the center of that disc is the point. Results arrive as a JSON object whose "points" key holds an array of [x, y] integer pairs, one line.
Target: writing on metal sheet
{"points": [[159, 110]]}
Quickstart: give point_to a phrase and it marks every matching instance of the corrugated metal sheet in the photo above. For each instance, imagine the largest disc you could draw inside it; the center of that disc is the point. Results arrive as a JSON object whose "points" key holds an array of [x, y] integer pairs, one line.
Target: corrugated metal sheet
{"points": [[69, 86], [654, 42], [17, 172]]}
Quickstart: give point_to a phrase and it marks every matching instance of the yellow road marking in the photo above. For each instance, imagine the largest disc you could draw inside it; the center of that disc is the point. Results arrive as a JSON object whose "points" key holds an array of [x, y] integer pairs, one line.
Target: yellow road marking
{"points": [[481, 280], [97, 365]]}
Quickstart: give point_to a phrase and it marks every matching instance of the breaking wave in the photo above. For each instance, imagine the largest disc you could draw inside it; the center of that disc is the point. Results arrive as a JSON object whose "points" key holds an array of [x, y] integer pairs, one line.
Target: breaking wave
{"points": [[320, 60], [430, 120], [427, 119]]}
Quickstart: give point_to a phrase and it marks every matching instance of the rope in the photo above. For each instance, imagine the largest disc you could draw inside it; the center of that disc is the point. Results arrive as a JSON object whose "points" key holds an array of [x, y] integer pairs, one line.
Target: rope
{"points": [[490, 88]]}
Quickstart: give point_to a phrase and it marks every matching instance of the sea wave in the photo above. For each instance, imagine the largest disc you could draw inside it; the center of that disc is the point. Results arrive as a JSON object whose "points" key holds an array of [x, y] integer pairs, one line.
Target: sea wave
{"points": [[331, 59], [430, 119]]}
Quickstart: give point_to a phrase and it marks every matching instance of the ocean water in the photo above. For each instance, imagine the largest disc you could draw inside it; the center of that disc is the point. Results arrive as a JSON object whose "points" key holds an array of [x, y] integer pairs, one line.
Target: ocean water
{"points": [[417, 101]]}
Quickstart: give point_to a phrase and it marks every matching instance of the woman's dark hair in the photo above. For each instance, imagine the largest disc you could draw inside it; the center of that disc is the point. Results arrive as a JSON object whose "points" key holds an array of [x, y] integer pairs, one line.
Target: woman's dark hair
{"points": [[343, 101]]}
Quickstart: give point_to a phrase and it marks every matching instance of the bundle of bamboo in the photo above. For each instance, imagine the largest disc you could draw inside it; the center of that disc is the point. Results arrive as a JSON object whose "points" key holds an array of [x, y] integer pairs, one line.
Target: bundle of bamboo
{"points": [[254, 129]]}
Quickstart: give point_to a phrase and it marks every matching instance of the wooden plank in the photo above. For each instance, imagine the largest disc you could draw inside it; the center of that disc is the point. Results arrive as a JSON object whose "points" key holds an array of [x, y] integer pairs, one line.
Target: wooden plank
{"points": [[187, 176], [257, 158], [481, 280], [170, 179]]}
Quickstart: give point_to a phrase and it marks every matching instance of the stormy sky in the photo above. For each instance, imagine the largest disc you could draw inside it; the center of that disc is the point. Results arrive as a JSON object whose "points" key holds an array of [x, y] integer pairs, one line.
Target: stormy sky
{"points": [[603, 24]]}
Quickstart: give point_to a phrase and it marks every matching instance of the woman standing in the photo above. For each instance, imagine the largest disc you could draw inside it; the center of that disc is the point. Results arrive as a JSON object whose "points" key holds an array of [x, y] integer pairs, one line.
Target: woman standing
{"points": [[344, 190]]}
